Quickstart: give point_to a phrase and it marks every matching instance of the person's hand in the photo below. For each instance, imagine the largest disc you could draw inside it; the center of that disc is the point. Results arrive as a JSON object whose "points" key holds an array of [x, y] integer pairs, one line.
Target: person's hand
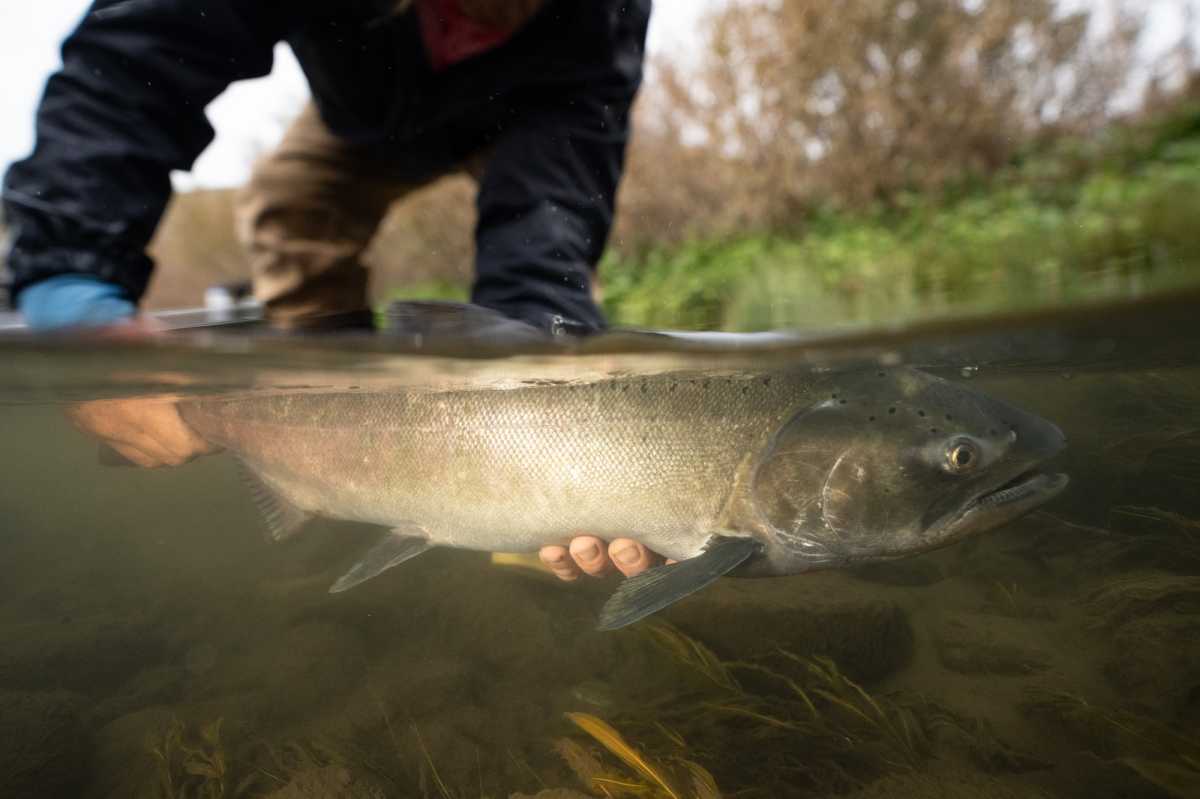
{"points": [[74, 301], [589, 555], [147, 430]]}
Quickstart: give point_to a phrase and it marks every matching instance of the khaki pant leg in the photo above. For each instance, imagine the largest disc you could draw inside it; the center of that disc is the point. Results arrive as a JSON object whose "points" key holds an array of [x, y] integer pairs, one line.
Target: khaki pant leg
{"points": [[307, 214]]}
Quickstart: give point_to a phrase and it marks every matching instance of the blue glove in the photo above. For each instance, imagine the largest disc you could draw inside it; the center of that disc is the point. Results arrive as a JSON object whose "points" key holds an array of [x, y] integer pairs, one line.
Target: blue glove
{"points": [[74, 300]]}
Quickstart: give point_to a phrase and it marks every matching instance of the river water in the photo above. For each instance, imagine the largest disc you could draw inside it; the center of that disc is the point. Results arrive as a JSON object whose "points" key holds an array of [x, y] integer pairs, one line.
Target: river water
{"points": [[156, 645]]}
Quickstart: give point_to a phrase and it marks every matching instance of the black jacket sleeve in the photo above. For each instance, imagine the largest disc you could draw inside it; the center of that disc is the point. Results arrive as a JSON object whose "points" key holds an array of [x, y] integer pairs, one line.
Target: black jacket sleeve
{"points": [[547, 197], [126, 108]]}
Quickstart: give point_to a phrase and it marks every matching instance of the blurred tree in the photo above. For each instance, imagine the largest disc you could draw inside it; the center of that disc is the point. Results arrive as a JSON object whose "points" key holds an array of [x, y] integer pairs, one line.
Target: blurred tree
{"points": [[852, 101]]}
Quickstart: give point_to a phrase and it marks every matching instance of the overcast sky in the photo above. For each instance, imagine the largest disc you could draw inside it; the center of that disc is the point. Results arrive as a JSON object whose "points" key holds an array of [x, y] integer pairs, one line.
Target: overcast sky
{"points": [[250, 115]]}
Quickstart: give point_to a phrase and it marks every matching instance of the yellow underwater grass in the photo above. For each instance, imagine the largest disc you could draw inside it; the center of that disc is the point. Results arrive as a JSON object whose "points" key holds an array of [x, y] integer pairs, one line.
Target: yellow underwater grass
{"points": [[611, 740], [820, 728], [686, 780]]}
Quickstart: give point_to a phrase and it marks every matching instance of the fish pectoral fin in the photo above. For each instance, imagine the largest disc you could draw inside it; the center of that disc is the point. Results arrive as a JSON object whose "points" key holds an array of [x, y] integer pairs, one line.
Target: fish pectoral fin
{"points": [[282, 518], [397, 546], [653, 590]]}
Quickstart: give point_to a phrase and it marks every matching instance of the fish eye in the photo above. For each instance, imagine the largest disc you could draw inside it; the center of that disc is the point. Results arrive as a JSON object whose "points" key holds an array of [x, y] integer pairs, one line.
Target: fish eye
{"points": [[961, 456]]}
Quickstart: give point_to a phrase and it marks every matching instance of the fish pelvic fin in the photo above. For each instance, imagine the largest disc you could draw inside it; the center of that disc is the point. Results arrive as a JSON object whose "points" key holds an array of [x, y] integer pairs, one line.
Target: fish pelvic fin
{"points": [[398, 545], [653, 590], [281, 517]]}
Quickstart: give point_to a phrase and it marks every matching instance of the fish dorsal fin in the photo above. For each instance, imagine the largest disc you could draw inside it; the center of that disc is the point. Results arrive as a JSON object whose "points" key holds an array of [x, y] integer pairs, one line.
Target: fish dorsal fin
{"points": [[397, 546], [282, 518], [653, 590]]}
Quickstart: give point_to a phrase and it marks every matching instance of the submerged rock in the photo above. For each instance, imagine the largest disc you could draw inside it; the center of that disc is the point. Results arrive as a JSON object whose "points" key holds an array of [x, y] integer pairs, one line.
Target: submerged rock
{"points": [[981, 644], [153, 686], [41, 744], [1155, 664], [287, 676], [122, 766]]}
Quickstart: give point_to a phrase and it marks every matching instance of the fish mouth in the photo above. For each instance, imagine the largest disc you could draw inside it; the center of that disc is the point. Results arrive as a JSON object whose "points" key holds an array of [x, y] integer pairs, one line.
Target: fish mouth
{"points": [[1003, 503], [1027, 488]]}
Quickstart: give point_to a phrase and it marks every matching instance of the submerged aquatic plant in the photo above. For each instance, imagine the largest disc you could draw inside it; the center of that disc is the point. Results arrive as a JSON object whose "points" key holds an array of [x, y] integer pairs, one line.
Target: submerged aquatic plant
{"points": [[190, 766], [278, 763], [442, 789], [676, 778], [196, 763], [692, 653], [1159, 753], [1008, 599], [1120, 600], [978, 740], [1137, 535], [1135, 452], [774, 722], [891, 723], [816, 697], [1153, 530]]}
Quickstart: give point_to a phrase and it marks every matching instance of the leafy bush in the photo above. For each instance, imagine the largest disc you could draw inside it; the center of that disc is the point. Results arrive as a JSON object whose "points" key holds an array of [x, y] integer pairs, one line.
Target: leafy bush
{"points": [[1122, 225]]}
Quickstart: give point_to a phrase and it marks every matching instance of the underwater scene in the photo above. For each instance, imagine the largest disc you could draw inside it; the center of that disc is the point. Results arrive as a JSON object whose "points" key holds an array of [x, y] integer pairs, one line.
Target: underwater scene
{"points": [[159, 643]]}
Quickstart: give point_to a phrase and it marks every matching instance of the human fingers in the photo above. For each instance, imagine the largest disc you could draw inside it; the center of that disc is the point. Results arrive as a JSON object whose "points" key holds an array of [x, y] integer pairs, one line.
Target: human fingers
{"points": [[590, 555], [560, 562], [134, 455], [166, 426], [630, 557]]}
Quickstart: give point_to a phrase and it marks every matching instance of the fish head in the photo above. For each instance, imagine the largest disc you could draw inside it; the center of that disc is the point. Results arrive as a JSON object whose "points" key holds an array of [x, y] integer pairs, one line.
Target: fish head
{"points": [[893, 462]]}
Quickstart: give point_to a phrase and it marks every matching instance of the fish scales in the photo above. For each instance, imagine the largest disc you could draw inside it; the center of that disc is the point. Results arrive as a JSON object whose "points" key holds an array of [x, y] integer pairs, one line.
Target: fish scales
{"points": [[516, 468]]}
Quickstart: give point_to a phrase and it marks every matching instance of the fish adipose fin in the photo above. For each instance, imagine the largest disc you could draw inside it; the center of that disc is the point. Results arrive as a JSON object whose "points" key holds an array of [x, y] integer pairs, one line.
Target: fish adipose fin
{"points": [[653, 590], [399, 545], [283, 519]]}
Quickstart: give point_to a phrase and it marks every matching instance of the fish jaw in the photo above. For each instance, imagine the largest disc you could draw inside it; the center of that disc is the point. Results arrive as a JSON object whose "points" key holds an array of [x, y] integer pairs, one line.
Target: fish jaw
{"points": [[1003, 504]]}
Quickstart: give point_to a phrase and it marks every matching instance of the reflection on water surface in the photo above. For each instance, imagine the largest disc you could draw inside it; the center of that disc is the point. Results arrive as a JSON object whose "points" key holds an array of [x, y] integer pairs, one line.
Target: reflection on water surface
{"points": [[156, 646]]}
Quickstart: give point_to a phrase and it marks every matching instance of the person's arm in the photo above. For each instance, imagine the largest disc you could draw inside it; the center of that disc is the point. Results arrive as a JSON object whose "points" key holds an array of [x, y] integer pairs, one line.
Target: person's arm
{"points": [[545, 210], [547, 196], [125, 109]]}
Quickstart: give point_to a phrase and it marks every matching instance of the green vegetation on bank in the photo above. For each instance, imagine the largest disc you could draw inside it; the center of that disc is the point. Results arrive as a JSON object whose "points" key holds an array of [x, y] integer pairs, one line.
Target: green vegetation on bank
{"points": [[1115, 216]]}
